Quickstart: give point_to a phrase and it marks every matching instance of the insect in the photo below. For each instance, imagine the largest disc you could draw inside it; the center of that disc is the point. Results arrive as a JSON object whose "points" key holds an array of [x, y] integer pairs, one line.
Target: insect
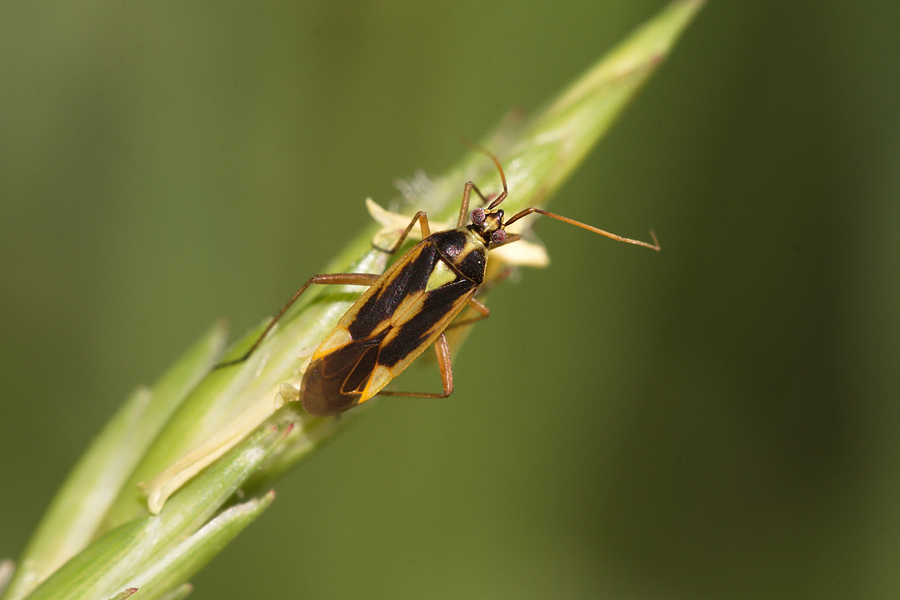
{"points": [[408, 308]]}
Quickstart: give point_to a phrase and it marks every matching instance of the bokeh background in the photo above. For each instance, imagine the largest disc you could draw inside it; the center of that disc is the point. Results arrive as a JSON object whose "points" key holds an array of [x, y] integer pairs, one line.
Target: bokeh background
{"points": [[720, 420]]}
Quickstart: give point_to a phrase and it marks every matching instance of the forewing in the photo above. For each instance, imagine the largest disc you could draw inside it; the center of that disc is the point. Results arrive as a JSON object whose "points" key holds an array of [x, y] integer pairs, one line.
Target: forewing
{"points": [[374, 310]]}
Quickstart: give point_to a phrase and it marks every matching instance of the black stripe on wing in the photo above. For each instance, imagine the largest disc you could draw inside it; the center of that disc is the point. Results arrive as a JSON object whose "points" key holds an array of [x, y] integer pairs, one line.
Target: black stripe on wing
{"points": [[411, 277], [413, 333]]}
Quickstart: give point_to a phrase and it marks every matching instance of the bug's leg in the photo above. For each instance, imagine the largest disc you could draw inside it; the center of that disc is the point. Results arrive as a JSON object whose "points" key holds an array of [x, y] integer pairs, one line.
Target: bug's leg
{"points": [[365, 279], [422, 219], [474, 304], [442, 349]]}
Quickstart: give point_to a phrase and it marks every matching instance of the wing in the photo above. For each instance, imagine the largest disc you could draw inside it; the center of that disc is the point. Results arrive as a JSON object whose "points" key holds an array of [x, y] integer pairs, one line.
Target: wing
{"points": [[334, 383]]}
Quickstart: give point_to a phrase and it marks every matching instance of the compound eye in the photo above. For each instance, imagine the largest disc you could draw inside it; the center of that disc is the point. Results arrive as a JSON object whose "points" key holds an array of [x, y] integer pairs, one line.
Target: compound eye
{"points": [[478, 216], [498, 236]]}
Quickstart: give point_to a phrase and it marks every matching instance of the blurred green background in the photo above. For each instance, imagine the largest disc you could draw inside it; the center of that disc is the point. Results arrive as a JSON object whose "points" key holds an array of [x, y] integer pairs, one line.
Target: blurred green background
{"points": [[719, 420]]}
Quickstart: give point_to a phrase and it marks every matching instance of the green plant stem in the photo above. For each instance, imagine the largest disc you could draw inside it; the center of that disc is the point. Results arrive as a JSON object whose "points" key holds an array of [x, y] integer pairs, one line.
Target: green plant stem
{"points": [[99, 539]]}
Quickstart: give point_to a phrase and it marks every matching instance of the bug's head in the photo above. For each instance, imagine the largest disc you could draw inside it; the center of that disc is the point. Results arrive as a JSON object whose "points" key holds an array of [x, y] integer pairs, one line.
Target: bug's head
{"points": [[488, 224]]}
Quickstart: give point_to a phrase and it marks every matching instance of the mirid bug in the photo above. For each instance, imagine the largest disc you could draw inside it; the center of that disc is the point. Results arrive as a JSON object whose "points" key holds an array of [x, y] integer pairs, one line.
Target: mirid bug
{"points": [[409, 307]]}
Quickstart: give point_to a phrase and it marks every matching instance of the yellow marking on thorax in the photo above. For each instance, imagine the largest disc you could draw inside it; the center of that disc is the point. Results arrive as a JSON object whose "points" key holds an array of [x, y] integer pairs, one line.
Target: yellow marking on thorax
{"points": [[441, 275]]}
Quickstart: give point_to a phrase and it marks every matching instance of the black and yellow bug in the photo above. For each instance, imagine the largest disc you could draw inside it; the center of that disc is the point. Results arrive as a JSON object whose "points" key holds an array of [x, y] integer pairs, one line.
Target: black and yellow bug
{"points": [[409, 307]]}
